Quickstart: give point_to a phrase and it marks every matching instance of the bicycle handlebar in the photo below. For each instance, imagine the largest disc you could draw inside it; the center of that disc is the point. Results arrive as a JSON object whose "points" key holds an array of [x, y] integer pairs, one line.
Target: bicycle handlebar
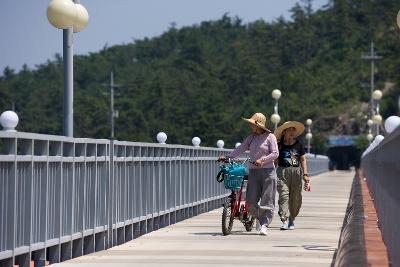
{"points": [[235, 160]]}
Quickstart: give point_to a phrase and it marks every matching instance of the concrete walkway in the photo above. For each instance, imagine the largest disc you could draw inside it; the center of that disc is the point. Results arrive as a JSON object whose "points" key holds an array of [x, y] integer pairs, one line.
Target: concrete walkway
{"points": [[198, 241]]}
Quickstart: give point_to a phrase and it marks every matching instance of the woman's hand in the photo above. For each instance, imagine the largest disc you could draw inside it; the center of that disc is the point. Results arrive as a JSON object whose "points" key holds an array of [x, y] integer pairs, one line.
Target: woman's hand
{"points": [[306, 179], [276, 162], [258, 162], [221, 158]]}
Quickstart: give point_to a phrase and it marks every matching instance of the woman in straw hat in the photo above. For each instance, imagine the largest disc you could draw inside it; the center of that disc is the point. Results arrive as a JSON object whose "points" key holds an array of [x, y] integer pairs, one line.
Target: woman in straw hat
{"points": [[261, 186], [292, 168]]}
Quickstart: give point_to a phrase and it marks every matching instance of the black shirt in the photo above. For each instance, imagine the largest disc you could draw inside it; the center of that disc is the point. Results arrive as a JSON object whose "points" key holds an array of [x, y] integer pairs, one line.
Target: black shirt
{"points": [[290, 155]]}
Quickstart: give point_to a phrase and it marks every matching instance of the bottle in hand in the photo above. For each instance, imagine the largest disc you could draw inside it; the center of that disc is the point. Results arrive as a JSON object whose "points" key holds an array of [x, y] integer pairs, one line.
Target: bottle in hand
{"points": [[307, 187]]}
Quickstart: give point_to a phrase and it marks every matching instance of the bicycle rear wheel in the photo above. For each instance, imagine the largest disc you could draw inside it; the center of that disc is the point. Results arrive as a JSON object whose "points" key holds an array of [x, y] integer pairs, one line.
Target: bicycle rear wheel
{"points": [[227, 218]]}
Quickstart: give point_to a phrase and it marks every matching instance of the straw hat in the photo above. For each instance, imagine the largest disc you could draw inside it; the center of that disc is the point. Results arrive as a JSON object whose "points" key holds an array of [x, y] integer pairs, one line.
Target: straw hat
{"points": [[258, 119], [298, 126]]}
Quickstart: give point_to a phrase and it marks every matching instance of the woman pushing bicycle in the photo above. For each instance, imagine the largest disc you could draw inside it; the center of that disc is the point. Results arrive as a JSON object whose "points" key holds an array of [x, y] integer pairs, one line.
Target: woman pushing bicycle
{"points": [[261, 185]]}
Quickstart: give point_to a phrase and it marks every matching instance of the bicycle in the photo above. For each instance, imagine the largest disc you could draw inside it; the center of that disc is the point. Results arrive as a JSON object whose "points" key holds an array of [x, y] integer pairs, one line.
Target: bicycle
{"points": [[234, 174]]}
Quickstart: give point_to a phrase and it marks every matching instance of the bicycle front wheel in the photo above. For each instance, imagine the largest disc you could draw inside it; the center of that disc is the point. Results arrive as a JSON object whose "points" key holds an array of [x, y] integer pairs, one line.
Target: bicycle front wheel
{"points": [[227, 216]]}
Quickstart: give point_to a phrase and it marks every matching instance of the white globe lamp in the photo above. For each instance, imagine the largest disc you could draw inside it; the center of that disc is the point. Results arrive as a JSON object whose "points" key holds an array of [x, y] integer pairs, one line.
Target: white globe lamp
{"points": [[237, 144], [196, 141], [9, 120], [62, 13], [308, 122], [370, 137], [82, 18], [275, 118], [377, 119], [392, 123], [377, 95], [370, 122], [161, 138], [276, 94], [220, 144], [308, 136]]}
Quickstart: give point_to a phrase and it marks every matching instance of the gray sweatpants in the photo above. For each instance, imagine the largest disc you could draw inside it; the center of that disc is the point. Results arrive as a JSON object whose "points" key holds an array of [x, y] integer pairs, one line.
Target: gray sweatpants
{"points": [[261, 188], [289, 189]]}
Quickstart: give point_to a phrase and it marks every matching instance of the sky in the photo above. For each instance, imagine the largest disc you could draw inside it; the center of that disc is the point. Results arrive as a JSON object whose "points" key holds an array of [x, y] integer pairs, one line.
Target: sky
{"points": [[27, 36]]}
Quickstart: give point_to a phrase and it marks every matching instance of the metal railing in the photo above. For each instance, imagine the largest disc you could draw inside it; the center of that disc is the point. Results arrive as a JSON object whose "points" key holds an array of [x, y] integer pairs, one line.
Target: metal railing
{"points": [[381, 168], [64, 197], [317, 164]]}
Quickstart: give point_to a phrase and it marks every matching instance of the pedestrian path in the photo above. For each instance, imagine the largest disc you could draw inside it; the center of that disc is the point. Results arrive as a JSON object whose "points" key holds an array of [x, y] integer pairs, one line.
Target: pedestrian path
{"points": [[198, 241]]}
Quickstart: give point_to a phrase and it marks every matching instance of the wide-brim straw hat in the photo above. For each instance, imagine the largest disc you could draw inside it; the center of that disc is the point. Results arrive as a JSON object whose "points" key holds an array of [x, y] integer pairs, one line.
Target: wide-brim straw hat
{"points": [[298, 126], [258, 119]]}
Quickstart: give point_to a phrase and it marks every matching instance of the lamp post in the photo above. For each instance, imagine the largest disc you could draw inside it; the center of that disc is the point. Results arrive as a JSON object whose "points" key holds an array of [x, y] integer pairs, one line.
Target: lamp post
{"points": [[369, 135], [309, 134], [377, 118], [113, 113], [70, 16], [275, 118]]}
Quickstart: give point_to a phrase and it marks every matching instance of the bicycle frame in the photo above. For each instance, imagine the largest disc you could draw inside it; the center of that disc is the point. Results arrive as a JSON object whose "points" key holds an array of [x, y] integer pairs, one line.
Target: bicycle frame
{"points": [[237, 199]]}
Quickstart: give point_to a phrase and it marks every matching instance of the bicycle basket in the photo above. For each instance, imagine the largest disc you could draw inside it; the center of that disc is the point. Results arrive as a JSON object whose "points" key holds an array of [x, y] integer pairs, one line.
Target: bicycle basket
{"points": [[233, 176], [233, 182]]}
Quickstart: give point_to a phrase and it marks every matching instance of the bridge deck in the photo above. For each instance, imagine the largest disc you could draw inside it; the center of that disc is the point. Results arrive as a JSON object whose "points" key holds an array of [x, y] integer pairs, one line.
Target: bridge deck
{"points": [[198, 241]]}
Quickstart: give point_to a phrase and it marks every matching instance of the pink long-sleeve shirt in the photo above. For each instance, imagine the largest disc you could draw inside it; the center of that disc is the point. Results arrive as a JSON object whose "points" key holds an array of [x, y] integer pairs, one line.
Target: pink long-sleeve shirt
{"points": [[263, 146]]}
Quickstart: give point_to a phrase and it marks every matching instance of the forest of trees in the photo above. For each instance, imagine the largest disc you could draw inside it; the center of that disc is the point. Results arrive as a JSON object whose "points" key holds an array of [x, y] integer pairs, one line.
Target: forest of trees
{"points": [[200, 80]]}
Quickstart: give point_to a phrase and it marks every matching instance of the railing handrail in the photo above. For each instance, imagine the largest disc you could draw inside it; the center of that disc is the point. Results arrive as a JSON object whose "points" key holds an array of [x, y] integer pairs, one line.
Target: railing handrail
{"points": [[48, 137]]}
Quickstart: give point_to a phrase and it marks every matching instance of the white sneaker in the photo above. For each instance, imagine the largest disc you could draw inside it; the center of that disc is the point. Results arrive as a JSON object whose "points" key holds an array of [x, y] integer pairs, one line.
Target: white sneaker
{"points": [[285, 225], [258, 225], [263, 230], [291, 225]]}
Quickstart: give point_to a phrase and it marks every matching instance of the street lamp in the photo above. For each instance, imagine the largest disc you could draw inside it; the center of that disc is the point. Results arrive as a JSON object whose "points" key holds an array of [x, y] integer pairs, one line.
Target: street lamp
{"points": [[377, 119], [369, 135], [377, 95], [308, 137], [70, 16], [309, 134], [275, 118]]}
